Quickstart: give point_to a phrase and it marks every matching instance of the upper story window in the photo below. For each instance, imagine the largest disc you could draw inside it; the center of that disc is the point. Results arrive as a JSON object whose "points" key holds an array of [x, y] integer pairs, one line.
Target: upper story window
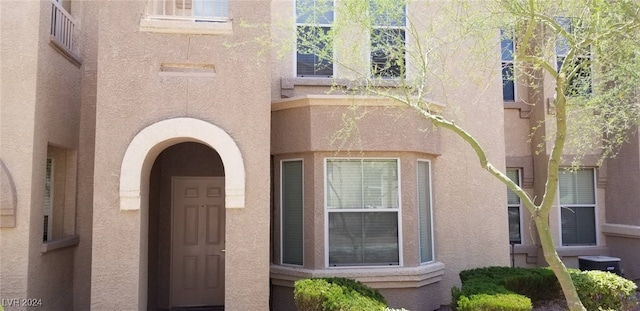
{"points": [[578, 207], [199, 17], [362, 212], [514, 208], [192, 10], [580, 83], [507, 50], [388, 42], [314, 44]]}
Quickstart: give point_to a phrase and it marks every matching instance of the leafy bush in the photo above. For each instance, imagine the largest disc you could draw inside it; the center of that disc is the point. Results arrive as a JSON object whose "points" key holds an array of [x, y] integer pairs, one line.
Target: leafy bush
{"points": [[495, 302], [336, 294], [537, 284], [357, 286], [599, 290]]}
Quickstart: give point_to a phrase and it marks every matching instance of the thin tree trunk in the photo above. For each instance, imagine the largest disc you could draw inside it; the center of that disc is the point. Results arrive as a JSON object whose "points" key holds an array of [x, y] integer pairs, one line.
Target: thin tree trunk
{"points": [[559, 269]]}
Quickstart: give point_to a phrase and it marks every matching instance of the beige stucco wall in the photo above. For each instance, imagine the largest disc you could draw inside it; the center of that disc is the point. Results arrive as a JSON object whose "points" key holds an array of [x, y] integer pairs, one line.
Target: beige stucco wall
{"points": [[131, 96], [57, 125], [19, 59], [87, 13], [40, 107], [322, 123], [622, 226]]}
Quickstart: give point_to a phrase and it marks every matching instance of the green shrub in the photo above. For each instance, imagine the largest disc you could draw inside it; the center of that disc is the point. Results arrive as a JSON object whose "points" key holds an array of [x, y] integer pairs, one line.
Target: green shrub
{"points": [[336, 294], [538, 284], [357, 286], [494, 302], [599, 290]]}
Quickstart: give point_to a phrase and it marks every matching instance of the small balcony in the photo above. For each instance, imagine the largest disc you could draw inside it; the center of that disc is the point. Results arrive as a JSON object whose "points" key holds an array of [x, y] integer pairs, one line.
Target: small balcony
{"points": [[63, 32], [187, 16]]}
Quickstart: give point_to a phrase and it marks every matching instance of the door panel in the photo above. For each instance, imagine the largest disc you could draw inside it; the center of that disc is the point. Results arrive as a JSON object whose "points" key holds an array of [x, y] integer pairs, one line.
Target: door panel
{"points": [[197, 250]]}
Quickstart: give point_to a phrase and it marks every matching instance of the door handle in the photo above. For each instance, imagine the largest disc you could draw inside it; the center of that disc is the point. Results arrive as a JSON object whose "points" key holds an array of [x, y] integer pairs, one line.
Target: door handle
{"points": [[223, 250]]}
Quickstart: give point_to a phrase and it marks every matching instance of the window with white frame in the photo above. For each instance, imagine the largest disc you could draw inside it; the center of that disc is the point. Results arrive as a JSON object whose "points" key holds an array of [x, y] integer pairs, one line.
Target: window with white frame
{"points": [[48, 202], [424, 211], [189, 10], [291, 190], [362, 212], [579, 83], [388, 59], [507, 50], [210, 8], [314, 51], [514, 208], [578, 207]]}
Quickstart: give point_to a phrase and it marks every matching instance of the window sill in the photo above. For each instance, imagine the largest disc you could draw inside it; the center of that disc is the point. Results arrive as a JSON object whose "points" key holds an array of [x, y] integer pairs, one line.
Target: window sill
{"points": [[186, 27], [288, 85], [61, 243], [382, 277]]}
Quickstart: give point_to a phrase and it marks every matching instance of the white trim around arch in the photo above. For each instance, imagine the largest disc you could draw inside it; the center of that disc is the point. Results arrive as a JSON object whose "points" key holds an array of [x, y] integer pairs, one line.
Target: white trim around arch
{"points": [[148, 143]]}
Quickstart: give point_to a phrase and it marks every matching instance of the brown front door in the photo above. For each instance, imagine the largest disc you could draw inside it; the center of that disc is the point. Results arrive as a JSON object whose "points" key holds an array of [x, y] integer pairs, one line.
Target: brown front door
{"points": [[197, 242]]}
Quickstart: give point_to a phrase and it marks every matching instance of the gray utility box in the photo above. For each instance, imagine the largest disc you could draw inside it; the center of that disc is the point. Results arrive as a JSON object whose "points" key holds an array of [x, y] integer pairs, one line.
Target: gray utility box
{"points": [[602, 263]]}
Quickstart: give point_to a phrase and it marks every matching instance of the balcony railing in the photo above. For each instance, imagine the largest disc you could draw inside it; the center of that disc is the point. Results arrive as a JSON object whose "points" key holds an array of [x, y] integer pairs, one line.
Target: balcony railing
{"points": [[62, 26], [188, 10]]}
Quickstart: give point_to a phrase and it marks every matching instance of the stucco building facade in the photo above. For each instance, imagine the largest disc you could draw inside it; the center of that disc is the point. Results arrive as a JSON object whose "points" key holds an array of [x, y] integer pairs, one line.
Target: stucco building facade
{"points": [[160, 154]]}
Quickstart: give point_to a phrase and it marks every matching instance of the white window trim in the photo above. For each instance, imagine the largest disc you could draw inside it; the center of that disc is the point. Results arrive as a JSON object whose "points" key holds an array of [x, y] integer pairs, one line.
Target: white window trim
{"points": [[282, 213], [403, 27], [398, 211], [295, 42], [519, 205], [512, 62], [596, 222], [433, 246]]}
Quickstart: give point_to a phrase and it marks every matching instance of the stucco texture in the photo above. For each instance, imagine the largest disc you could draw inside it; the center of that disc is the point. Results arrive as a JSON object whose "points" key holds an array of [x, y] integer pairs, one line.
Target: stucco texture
{"points": [[133, 95]]}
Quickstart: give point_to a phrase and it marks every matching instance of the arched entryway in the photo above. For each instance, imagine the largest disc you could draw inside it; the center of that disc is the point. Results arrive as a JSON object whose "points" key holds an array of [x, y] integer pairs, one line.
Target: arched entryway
{"points": [[186, 139], [186, 228]]}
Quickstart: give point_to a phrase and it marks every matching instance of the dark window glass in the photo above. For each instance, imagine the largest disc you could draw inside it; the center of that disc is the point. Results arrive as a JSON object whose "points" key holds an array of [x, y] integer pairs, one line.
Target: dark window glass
{"points": [[314, 52], [292, 211], [388, 52]]}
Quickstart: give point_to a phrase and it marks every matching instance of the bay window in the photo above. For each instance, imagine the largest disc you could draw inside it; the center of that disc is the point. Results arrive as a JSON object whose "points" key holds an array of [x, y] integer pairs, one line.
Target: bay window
{"points": [[362, 212], [424, 211], [292, 198]]}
